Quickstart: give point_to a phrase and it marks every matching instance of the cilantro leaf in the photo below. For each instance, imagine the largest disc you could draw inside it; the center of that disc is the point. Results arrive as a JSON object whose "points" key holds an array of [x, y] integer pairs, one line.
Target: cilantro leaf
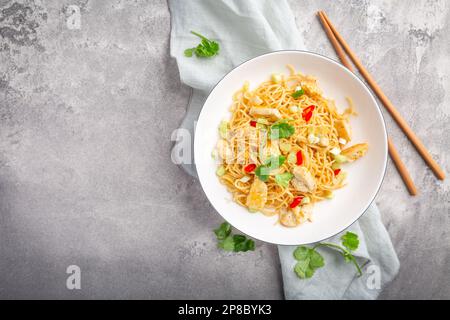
{"points": [[301, 253], [281, 130], [283, 179], [262, 173], [189, 52], [297, 94], [308, 261], [223, 231], [207, 48], [229, 242], [350, 241]]}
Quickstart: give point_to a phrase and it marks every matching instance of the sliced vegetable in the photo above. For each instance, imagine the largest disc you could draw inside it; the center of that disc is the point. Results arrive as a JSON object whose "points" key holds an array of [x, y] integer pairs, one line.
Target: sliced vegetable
{"points": [[292, 157], [283, 179], [336, 171], [306, 200], [339, 158], [253, 123], [220, 171], [245, 179], [313, 139], [250, 167], [295, 202], [299, 158], [335, 166], [274, 162], [308, 112], [223, 129], [293, 108], [335, 151]]}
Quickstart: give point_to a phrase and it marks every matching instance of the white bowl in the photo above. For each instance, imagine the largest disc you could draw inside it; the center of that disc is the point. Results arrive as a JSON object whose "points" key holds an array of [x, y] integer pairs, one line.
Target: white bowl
{"points": [[364, 176]]}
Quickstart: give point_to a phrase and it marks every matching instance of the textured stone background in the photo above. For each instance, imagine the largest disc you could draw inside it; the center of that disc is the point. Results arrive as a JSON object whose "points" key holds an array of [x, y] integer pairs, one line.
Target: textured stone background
{"points": [[85, 172]]}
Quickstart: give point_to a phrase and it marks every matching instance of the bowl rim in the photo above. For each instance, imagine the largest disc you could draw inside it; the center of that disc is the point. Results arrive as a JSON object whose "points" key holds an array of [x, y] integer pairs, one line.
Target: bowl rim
{"points": [[352, 74]]}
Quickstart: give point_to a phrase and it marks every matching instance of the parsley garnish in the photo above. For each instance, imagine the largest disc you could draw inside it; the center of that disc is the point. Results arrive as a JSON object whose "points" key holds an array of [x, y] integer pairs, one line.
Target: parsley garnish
{"points": [[309, 259], [281, 130], [205, 49], [229, 242], [274, 162]]}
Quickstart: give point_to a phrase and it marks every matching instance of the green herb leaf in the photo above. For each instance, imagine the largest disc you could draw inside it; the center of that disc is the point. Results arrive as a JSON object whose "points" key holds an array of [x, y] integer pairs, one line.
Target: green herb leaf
{"points": [[189, 52], [223, 231], [308, 261], [229, 242], [262, 172], [350, 241], [281, 130], [297, 94], [207, 48], [283, 179]]}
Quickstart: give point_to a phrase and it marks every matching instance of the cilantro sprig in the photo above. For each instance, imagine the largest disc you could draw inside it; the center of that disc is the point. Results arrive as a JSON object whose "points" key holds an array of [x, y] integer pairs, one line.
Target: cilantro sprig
{"points": [[229, 242], [309, 259], [205, 49]]}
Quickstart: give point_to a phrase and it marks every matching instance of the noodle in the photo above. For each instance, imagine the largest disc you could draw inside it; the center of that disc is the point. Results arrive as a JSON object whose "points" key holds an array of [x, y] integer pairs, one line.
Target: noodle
{"points": [[318, 139]]}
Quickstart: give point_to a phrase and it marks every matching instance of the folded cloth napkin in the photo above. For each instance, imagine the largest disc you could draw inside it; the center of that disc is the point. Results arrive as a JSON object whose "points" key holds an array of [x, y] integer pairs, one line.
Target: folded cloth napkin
{"points": [[246, 29]]}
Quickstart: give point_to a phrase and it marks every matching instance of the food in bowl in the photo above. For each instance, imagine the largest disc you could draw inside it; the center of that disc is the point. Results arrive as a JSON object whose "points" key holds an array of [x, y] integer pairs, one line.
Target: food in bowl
{"points": [[284, 147]]}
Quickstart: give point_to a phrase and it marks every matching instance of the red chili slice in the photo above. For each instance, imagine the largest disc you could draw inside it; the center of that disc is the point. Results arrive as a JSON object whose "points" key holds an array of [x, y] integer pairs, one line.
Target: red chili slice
{"points": [[307, 112], [299, 158], [253, 123], [336, 172], [296, 202], [250, 167]]}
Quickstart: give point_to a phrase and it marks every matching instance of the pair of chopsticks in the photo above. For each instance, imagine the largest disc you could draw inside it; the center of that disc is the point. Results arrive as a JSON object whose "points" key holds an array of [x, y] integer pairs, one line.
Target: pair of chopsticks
{"points": [[342, 48]]}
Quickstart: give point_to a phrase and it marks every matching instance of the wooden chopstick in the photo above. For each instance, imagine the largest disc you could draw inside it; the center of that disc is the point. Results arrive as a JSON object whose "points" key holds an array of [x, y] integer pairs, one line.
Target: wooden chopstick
{"points": [[403, 171], [387, 103]]}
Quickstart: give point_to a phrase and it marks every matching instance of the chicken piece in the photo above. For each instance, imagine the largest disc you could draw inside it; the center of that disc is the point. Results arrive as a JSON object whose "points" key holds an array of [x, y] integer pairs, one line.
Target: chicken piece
{"points": [[303, 181], [271, 113], [288, 218], [257, 196], [309, 84], [355, 152], [224, 150], [306, 213], [343, 129]]}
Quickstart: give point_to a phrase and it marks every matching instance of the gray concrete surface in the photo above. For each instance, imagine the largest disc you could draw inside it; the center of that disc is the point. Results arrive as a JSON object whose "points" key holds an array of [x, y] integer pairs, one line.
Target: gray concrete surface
{"points": [[85, 172]]}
